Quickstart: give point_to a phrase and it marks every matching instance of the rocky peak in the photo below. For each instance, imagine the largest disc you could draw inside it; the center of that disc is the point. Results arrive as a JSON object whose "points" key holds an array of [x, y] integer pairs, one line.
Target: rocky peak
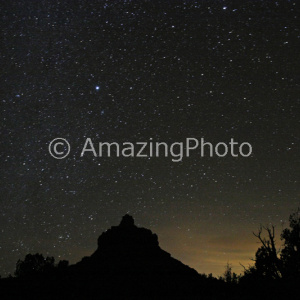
{"points": [[127, 221], [127, 236]]}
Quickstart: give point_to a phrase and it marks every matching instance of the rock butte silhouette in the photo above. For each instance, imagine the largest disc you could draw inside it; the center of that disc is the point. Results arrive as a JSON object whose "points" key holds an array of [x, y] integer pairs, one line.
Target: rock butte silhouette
{"points": [[128, 263], [131, 255]]}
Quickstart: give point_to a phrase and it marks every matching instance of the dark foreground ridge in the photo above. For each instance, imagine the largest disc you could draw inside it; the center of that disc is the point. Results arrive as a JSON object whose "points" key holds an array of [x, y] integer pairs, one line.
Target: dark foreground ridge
{"points": [[129, 264]]}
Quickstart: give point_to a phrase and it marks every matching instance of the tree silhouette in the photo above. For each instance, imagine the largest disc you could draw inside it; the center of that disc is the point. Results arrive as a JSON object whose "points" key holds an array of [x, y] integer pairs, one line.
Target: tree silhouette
{"points": [[290, 254], [63, 265], [34, 265], [229, 276], [267, 262], [273, 264]]}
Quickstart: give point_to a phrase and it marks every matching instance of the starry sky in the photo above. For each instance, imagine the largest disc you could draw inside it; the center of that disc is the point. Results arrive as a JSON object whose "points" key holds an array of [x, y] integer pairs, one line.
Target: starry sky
{"points": [[118, 71]]}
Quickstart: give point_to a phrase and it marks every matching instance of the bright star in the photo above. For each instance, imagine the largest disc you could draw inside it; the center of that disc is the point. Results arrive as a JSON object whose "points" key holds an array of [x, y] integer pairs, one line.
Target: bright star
{"points": [[97, 87]]}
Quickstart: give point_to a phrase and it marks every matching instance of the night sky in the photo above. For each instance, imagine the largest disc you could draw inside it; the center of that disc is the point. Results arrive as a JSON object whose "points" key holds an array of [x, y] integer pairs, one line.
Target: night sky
{"points": [[129, 71]]}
